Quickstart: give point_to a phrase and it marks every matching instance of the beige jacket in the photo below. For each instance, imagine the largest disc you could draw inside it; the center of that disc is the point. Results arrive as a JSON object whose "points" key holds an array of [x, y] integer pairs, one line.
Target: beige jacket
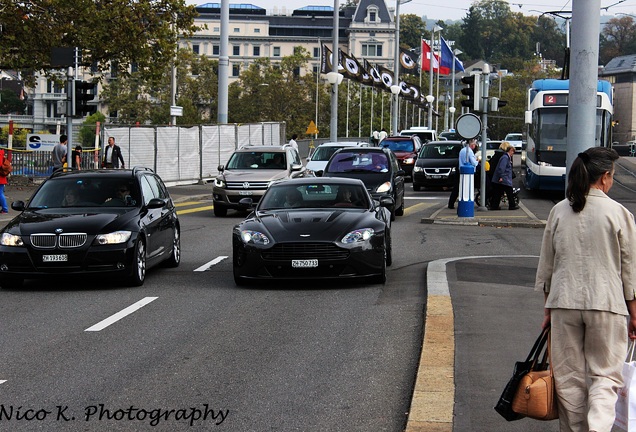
{"points": [[587, 259]]}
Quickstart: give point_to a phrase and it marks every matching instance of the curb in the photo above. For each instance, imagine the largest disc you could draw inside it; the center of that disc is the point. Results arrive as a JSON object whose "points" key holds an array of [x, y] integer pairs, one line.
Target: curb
{"points": [[529, 220]]}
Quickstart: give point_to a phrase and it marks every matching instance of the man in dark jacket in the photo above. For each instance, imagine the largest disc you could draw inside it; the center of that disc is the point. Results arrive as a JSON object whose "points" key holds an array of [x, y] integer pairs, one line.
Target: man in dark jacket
{"points": [[112, 155]]}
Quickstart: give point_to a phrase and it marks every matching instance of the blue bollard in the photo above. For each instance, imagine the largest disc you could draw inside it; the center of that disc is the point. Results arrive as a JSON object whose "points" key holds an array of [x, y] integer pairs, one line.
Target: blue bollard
{"points": [[466, 207]]}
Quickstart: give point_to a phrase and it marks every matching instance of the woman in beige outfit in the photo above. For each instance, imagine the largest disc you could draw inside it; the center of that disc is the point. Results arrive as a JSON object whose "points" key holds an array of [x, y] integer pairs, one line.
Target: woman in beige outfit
{"points": [[586, 270]]}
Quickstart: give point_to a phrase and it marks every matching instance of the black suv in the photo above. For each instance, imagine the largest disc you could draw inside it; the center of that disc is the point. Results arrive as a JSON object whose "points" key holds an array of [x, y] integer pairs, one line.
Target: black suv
{"points": [[378, 168], [405, 149], [115, 223]]}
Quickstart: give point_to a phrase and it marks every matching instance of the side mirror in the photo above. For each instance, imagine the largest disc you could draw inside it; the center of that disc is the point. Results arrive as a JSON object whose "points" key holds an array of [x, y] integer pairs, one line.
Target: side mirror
{"points": [[18, 205], [387, 201], [221, 168], [155, 203], [296, 167], [400, 172], [246, 203]]}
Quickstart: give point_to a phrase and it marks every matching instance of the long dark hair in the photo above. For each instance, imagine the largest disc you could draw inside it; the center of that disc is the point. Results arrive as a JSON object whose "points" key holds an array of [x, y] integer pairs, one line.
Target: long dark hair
{"points": [[586, 169]]}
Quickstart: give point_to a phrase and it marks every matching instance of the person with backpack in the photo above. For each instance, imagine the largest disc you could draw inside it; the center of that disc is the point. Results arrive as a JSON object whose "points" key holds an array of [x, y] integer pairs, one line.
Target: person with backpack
{"points": [[3, 183]]}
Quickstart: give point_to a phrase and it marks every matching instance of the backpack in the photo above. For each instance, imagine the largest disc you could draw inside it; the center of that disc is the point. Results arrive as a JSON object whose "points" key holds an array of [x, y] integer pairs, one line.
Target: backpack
{"points": [[5, 168]]}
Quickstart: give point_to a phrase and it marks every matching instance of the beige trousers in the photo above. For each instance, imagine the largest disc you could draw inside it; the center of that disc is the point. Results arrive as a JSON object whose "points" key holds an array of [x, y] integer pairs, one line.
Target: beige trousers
{"points": [[588, 352]]}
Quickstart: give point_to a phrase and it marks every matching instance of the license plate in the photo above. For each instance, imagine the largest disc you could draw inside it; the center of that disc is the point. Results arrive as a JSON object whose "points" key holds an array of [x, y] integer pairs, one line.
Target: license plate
{"points": [[245, 193], [305, 263], [436, 176], [54, 258]]}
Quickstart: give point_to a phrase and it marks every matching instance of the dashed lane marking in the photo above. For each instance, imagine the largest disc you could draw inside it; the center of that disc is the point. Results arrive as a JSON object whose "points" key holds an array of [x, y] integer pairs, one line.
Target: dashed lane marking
{"points": [[121, 314], [206, 266], [194, 210]]}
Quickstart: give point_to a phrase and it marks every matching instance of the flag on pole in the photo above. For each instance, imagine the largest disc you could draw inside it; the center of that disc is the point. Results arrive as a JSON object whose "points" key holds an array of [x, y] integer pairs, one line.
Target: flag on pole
{"points": [[375, 75], [408, 61], [386, 77], [426, 56], [325, 60], [446, 61]]}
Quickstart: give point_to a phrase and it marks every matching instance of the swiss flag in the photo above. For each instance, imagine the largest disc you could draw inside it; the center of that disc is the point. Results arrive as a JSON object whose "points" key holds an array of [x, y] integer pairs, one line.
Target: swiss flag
{"points": [[426, 55]]}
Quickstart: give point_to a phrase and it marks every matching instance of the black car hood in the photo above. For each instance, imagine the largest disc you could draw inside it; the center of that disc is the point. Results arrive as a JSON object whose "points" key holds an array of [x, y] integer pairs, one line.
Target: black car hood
{"points": [[312, 225], [39, 221]]}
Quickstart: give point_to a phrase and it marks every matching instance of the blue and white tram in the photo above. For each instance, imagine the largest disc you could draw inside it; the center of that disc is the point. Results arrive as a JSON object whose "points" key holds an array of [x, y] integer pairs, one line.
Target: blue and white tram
{"points": [[546, 122]]}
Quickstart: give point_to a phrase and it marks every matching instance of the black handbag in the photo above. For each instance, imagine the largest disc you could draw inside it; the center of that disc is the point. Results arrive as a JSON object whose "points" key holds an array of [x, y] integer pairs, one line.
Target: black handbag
{"points": [[504, 404]]}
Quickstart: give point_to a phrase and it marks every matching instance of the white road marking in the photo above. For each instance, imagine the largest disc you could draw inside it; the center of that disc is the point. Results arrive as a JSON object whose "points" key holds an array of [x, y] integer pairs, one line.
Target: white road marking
{"points": [[121, 314], [215, 261], [426, 198], [3, 381]]}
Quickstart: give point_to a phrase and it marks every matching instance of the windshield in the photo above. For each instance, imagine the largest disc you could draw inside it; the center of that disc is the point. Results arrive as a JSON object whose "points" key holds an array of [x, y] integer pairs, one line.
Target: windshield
{"points": [[314, 196], [440, 151], [358, 162], [553, 129], [324, 153], [257, 160], [513, 137], [86, 192], [401, 145]]}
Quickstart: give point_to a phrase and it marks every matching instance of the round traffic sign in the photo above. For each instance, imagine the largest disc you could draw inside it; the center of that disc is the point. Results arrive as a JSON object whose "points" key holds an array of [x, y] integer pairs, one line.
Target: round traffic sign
{"points": [[468, 126]]}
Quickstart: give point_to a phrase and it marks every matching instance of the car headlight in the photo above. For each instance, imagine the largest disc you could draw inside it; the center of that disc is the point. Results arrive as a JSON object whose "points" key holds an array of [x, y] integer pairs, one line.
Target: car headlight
{"points": [[384, 187], [254, 237], [11, 240], [359, 235], [417, 169], [116, 237], [454, 169], [218, 182], [409, 161]]}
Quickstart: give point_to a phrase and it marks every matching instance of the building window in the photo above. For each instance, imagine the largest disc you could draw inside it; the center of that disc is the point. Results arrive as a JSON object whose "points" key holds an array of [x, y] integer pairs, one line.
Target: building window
{"points": [[316, 52], [315, 69], [134, 67], [236, 50], [276, 51], [215, 50], [217, 29], [371, 50], [236, 70], [195, 49], [372, 15], [257, 51], [237, 30], [257, 30]]}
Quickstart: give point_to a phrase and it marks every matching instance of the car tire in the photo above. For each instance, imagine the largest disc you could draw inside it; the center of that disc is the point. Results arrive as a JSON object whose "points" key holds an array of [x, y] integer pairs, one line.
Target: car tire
{"points": [[11, 282], [175, 256], [416, 187], [400, 210], [138, 268], [389, 249], [238, 280], [219, 210], [381, 278]]}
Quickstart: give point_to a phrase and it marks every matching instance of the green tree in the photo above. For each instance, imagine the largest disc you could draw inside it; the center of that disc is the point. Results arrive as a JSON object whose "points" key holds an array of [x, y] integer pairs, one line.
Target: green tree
{"points": [[412, 28], [10, 103], [618, 38], [109, 33], [87, 130]]}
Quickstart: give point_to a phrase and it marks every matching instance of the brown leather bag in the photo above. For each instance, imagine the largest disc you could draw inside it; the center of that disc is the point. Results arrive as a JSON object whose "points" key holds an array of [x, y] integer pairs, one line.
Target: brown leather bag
{"points": [[536, 395]]}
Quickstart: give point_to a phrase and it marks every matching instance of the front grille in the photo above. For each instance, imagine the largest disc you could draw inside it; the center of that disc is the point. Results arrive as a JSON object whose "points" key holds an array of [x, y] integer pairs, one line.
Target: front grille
{"points": [[248, 185], [437, 171], [289, 251], [64, 241]]}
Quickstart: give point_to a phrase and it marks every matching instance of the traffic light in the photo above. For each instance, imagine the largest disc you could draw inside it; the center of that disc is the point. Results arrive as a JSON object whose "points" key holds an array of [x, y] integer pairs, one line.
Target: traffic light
{"points": [[496, 104], [473, 91], [83, 92]]}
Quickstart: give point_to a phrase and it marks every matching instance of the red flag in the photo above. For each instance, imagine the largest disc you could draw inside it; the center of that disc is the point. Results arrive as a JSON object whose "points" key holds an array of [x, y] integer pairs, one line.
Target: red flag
{"points": [[426, 54]]}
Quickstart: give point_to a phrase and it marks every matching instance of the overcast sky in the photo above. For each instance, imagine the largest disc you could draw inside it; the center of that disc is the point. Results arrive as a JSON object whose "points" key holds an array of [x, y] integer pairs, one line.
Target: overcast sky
{"points": [[441, 9]]}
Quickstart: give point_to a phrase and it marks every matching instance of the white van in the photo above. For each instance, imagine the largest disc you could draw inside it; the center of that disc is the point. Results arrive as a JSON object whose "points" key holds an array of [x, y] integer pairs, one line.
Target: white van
{"points": [[424, 133]]}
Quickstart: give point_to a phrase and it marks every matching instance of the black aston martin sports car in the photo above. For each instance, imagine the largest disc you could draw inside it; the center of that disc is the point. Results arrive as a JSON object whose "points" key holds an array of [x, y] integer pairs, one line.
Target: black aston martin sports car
{"points": [[115, 223], [312, 228]]}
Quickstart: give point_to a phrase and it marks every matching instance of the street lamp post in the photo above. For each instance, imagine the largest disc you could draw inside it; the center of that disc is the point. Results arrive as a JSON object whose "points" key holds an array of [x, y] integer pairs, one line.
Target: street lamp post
{"points": [[334, 80], [396, 66], [430, 83], [452, 108]]}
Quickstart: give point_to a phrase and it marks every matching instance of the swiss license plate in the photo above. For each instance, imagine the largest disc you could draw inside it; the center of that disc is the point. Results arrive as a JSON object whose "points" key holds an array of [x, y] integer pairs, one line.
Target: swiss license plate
{"points": [[436, 176], [305, 263], [245, 193], [54, 258]]}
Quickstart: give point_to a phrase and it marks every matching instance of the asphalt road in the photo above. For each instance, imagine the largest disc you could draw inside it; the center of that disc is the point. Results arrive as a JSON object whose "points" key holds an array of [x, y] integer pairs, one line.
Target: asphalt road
{"points": [[202, 354]]}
